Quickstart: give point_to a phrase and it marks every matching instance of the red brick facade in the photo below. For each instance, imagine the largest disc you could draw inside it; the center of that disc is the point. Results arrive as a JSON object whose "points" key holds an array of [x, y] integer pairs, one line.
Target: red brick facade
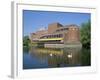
{"points": [[69, 33]]}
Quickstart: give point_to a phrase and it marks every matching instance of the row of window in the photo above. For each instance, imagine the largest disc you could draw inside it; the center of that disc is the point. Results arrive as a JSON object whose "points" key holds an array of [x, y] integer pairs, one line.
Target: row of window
{"points": [[66, 29], [52, 36], [73, 28], [63, 29]]}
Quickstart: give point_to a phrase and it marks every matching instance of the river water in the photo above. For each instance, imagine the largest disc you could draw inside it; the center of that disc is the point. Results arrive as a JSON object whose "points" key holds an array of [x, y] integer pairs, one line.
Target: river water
{"points": [[35, 58]]}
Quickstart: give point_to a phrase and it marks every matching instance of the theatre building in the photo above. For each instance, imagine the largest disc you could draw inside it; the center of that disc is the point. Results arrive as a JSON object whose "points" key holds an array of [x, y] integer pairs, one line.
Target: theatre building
{"points": [[57, 36]]}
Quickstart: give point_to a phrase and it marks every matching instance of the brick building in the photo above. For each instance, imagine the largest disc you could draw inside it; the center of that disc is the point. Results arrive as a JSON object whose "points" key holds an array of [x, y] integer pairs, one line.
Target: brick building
{"points": [[57, 34]]}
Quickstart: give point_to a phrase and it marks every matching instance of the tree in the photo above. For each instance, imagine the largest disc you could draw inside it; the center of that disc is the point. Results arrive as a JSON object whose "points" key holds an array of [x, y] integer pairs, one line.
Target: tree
{"points": [[86, 34], [26, 41]]}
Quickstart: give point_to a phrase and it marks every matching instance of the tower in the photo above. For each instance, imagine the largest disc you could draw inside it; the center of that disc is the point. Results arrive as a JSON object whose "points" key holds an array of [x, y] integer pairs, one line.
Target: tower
{"points": [[72, 37]]}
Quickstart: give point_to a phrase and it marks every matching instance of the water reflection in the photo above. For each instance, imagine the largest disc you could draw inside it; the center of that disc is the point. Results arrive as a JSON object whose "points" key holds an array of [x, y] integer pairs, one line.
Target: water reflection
{"points": [[49, 58]]}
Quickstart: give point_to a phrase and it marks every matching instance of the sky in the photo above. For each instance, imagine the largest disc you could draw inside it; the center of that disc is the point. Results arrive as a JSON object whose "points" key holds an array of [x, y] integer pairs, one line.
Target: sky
{"points": [[37, 20]]}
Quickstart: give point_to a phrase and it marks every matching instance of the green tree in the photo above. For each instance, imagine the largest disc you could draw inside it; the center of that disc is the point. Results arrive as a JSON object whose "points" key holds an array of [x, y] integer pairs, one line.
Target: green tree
{"points": [[86, 34], [26, 41]]}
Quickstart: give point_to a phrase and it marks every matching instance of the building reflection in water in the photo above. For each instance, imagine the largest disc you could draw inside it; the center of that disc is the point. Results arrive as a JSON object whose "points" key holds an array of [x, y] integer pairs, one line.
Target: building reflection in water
{"points": [[57, 57]]}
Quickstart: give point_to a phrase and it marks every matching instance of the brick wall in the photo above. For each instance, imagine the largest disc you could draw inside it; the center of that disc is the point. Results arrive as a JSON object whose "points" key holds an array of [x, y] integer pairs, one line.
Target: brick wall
{"points": [[73, 35]]}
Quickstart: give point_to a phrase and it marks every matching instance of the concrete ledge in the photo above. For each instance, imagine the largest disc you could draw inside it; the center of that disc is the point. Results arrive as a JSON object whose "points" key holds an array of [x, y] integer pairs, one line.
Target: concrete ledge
{"points": [[78, 45], [54, 45]]}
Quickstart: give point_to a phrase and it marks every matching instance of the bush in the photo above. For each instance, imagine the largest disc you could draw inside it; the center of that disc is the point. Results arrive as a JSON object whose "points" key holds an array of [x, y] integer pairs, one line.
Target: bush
{"points": [[26, 41], [86, 34]]}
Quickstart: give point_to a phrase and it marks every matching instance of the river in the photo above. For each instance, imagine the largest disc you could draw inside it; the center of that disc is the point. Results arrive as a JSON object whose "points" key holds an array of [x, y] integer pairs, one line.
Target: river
{"points": [[36, 58]]}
